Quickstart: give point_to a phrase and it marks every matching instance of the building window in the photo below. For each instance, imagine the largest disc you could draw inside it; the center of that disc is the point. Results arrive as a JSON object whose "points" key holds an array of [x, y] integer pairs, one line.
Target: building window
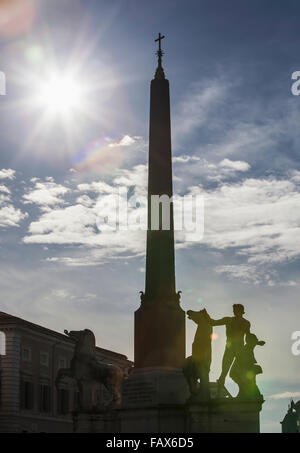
{"points": [[27, 394], [2, 343], [45, 398], [26, 354], [62, 362], [44, 358], [63, 401]]}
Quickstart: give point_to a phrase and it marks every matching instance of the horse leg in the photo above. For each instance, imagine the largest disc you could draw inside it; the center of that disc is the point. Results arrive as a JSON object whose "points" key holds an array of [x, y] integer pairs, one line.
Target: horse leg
{"points": [[204, 390], [114, 386]]}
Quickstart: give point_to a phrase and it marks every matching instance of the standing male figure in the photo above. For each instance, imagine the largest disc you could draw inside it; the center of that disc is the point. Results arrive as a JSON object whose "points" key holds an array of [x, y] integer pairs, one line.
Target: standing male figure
{"points": [[236, 329]]}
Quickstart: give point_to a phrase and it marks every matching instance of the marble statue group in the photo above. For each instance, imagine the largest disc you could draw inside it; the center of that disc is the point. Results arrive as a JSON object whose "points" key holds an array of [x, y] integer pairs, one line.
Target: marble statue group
{"points": [[238, 359]]}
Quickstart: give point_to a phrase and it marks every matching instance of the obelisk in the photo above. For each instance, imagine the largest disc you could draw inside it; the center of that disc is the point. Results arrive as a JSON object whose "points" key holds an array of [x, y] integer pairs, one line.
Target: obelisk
{"points": [[160, 321]]}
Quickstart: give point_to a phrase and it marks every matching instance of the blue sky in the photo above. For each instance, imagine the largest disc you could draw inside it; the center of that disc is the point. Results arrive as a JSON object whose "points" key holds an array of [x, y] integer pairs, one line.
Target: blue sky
{"points": [[235, 133]]}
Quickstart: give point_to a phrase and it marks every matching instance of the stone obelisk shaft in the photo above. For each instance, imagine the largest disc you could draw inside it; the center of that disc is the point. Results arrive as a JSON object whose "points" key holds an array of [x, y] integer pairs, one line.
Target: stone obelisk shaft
{"points": [[160, 322], [160, 261]]}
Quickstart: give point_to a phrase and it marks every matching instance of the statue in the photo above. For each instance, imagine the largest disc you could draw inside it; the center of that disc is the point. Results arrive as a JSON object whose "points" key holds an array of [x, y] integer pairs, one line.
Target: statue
{"points": [[245, 369], [87, 371], [238, 356], [197, 367], [236, 329]]}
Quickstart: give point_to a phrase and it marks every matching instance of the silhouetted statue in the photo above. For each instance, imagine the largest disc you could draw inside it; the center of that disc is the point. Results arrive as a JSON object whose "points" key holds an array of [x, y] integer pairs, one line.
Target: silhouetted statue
{"points": [[87, 371], [245, 369], [197, 367], [290, 422], [236, 329]]}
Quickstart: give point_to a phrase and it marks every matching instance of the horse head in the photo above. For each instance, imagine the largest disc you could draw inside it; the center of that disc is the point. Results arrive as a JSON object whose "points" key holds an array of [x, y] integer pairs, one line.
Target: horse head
{"points": [[198, 316], [85, 340]]}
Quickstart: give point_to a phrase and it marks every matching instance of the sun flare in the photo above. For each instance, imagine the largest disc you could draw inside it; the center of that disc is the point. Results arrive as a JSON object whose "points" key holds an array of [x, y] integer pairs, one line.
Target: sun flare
{"points": [[60, 94]]}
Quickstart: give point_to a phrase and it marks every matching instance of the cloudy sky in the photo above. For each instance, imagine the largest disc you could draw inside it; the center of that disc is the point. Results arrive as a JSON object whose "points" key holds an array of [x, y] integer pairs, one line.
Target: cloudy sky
{"points": [[235, 134]]}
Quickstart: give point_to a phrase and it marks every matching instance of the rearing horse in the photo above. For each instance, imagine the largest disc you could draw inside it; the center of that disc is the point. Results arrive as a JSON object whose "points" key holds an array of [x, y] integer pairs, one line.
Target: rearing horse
{"points": [[87, 371]]}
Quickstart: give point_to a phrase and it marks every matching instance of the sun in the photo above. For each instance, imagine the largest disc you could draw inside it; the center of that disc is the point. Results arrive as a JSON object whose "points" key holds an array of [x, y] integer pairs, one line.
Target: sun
{"points": [[62, 101], [59, 94]]}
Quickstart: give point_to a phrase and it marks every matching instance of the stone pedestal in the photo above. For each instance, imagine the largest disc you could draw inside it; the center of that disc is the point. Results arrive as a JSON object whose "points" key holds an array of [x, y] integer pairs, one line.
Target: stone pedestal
{"points": [[159, 334], [154, 401], [157, 400], [229, 415], [164, 418], [151, 387], [106, 421]]}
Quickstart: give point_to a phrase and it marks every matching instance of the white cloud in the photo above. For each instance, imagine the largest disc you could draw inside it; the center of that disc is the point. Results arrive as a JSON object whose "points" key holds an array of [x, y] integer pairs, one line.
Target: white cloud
{"points": [[125, 141], [285, 395], [99, 187], [7, 173], [46, 194], [195, 109], [184, 159], [259, 218], [70, 225], [289, 283], [192, 168], [4, 199], [85, 200], [236, 165], [136, 177], [244, 272], [83, 222], [62, 294], [75, 261], [246, 137], [83, 225], [4, 189], [10, 216]]}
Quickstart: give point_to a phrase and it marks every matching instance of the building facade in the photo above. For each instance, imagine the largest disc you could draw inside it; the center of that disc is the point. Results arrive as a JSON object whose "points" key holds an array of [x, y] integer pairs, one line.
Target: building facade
{"points": [[30, 356]]}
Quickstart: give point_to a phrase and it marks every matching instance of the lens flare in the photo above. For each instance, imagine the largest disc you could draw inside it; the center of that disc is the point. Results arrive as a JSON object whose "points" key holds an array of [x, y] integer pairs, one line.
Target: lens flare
{"points": [[99, 157], [214, 336], [16, 17], [34, 54]]}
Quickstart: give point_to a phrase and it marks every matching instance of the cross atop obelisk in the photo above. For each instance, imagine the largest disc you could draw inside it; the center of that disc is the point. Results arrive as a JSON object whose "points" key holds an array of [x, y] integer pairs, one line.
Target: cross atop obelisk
{"points": [[159, 53], [159, 72]]}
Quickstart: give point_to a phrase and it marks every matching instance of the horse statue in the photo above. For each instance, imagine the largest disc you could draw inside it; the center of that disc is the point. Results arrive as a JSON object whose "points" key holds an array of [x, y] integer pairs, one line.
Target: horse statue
{"points": [[197, 367], [87, 371]]}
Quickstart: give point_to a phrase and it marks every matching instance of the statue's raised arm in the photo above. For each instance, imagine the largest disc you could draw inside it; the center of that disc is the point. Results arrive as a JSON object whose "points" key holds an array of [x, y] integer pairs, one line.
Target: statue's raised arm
{"points": [[220, 322]]}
